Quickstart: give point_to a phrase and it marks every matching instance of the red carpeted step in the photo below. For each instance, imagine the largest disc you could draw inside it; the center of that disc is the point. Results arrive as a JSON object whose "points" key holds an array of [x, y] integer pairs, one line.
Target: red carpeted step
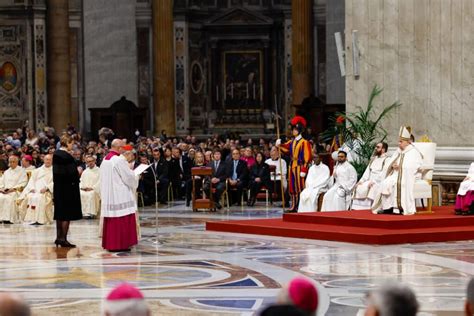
{"points": [[364, 235], [442, 217]]}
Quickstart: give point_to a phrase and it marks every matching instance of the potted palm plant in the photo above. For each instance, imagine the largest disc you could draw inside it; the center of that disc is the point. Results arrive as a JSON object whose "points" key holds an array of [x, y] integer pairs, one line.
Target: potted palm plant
{"points": [[360, 130]]}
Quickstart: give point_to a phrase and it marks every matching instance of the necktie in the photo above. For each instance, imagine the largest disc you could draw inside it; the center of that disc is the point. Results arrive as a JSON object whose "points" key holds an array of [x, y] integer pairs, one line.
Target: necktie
{"points": [[234, 175]]}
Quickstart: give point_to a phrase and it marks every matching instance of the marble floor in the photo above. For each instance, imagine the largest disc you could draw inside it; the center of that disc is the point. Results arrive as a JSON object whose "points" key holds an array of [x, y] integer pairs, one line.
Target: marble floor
{"points": [[184, 270]]}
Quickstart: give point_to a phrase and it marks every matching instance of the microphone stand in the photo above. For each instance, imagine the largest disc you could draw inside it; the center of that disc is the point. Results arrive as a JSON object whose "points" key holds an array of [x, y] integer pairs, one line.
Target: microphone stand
{"points": [[156, 204]]}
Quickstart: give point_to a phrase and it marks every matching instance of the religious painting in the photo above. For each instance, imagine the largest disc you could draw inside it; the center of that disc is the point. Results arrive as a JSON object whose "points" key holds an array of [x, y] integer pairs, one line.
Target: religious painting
{"points": [[197, 77], [243, 72], [8, 76]]}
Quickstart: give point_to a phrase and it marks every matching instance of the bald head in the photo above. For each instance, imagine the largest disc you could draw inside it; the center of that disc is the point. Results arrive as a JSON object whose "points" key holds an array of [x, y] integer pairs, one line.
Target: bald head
{"points": [[48, 160], [116, 144], [13, 305]]}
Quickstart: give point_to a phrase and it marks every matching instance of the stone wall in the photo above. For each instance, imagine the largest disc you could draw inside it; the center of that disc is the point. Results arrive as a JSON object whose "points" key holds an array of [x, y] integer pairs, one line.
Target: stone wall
{"points": [[420, 52]]}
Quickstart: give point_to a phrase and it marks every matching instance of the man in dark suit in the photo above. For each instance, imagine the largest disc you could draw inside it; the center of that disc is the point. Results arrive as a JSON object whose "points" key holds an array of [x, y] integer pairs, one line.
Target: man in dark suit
{"points": [[219, 176], [159, 171], [181, 166], [237, 174]]}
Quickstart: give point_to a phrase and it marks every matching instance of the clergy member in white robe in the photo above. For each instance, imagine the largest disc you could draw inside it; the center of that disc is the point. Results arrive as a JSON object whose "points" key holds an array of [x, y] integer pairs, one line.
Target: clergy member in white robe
{"points": [[316, 183], [396, 191], [338, 198], [37, 198], [118, 201], [13, 181], [368, 187], [90, 188], [27, 163], [275, 160]]}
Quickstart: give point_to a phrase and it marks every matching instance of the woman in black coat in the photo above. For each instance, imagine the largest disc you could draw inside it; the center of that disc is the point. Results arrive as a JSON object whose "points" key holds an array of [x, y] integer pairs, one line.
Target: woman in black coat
{"points": [[66, 194], [259, 177]]}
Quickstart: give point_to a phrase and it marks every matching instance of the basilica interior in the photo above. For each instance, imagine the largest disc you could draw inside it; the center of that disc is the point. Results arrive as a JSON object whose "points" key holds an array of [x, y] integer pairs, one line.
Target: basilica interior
{"points": [[189, 66], [246, 67]]}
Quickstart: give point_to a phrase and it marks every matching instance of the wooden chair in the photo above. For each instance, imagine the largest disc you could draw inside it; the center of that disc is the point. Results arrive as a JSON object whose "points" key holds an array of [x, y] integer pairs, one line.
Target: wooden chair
{"points": [[229, 188], [265, 192], [204, 202], [170, 193], [140, 198], [423, 186]]}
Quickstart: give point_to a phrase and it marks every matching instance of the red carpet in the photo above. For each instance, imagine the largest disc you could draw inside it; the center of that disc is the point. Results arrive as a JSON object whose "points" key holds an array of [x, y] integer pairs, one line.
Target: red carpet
{"points": [[359, 227]]}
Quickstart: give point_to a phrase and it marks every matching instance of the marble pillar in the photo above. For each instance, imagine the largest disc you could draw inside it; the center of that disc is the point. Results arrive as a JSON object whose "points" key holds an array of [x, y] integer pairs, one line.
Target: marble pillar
{"points": [[163, 67], [59, 76], [302, 49]]}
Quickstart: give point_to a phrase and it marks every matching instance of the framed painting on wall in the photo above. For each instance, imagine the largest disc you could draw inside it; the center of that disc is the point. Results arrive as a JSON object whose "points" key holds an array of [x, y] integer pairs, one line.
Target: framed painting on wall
{"points": [[243, 77]]}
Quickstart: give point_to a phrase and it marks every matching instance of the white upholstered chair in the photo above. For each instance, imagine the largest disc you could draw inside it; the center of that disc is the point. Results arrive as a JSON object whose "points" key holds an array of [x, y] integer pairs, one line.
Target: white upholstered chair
{"points": [[423, 189]]}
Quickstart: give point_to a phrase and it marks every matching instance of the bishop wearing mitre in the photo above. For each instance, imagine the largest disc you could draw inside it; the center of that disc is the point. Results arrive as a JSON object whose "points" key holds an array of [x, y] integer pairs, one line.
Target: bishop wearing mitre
{"points": [[396, 196], [90, 188], [37, 196], [13, 181]]}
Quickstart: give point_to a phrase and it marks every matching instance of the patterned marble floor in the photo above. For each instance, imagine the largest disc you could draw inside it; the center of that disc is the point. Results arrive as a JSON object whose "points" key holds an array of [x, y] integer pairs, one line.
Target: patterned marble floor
{"points": [[184, 270]]}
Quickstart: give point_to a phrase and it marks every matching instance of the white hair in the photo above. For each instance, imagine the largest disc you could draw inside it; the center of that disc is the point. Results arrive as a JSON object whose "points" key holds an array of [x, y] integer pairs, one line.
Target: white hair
{"points": [[394, 299], [126, 307], [470, 292]]}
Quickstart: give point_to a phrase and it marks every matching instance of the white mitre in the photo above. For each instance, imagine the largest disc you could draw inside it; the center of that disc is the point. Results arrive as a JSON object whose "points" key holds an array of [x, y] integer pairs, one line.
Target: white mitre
{"points": [[404, 133]]}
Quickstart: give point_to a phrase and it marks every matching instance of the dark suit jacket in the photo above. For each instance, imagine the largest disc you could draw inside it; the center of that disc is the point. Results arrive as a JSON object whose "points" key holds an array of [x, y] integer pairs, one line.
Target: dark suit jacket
{"points": [[221, 171], [261, 171], [161, 171], [242, 170], [186, 170]]}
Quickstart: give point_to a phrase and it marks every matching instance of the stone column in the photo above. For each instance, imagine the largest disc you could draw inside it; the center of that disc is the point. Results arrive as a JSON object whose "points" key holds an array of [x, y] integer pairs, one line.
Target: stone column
{"points": [[163, 67], [59, 74], [302, 49]]}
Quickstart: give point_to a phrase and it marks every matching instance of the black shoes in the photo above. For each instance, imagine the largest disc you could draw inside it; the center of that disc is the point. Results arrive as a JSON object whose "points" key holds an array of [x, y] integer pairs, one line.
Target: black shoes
{"points": [[64, 244], [387, 211]]}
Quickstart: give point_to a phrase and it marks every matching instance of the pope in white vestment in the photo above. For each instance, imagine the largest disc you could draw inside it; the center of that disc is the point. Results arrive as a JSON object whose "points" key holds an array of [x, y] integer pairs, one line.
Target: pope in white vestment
{"points": [[316, 183], [396, 191], [13, 181], [338, 198], [37, 196], [90, 189], [368, 187], [118, 202]]}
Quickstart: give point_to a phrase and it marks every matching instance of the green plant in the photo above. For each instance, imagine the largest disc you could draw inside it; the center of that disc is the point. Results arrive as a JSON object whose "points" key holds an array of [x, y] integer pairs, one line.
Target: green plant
{"points": [[360, 130]]}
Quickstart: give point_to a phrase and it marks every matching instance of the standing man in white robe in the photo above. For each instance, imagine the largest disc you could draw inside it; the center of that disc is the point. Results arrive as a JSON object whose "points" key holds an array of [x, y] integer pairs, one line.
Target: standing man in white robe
{"points": [[118, 207], [396, 191], [338, 198], [37, 197], [90, 188], [316, 183], [368, 187], [279, 176], [13, 181]]}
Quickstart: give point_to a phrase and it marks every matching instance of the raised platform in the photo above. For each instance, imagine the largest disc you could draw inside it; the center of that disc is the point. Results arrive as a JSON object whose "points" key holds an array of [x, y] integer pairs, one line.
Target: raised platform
{"points": [[361, 227]]}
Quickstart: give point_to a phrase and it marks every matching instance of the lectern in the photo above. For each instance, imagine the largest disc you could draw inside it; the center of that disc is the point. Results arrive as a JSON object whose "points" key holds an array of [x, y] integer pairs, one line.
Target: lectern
{"points": [[199, 174]]}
